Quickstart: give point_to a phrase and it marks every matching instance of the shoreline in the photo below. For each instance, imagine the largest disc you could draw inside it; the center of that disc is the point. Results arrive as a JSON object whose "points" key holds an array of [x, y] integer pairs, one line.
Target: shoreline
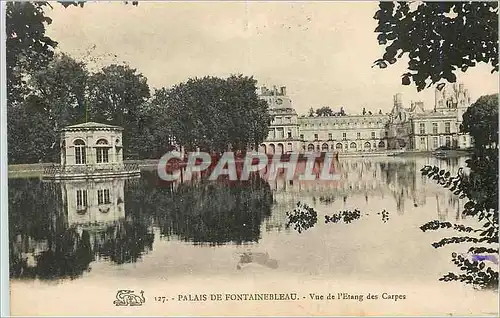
{"points": [[37, 169]]}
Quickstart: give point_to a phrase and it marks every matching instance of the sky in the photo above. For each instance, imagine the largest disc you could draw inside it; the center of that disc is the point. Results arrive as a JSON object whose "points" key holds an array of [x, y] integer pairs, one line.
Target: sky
{"points": [[323, 52]]}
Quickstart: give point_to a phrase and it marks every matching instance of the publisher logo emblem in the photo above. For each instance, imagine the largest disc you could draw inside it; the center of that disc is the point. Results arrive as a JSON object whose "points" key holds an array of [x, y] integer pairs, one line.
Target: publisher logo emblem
{"points": [[127, 297]]}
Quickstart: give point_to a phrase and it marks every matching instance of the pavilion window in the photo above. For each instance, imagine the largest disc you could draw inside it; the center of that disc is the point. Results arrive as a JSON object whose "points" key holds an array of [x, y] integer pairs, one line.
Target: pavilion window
{"points": [[81, 198], [102, 151], [102, 155], [103, 196], [80, 153]]}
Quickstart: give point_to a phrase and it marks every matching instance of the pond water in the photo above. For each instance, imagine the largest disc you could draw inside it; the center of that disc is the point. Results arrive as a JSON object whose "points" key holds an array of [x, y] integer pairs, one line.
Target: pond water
{"points": [[71, 235]]}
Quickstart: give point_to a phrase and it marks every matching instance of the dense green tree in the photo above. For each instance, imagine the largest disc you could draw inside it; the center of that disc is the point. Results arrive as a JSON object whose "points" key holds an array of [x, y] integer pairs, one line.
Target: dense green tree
{"points": [[27, 47], [324, 111], [115, 96], [438, 38], [55, 99], [214, 113], [29, 134], [481, 122]]}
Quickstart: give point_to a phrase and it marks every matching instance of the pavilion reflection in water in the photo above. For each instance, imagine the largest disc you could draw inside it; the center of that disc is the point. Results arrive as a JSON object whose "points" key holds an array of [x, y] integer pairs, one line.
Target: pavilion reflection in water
{"points": [[86, 221]]}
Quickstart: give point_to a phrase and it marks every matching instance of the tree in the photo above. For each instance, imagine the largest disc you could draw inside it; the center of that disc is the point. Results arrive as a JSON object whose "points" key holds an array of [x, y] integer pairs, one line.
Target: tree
{"points": [[61, 87], [481, 122], [55, 99], [311, 112], [214, 113], [27, 46], [29, 134], [438, 38], [324, 111], [115, 96]]}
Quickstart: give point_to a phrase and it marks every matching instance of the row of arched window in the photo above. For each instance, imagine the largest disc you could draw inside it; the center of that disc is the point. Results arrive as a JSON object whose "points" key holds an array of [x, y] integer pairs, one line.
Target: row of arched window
{"points": [[340, 146], [280, 148], [102, 151]]}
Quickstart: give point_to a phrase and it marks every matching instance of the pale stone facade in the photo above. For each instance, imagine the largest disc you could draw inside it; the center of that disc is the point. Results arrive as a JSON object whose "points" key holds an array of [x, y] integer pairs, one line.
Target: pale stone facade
{"points": [[411, 128], [284, 130], [92, 145], [441, 126], [93, 202]]}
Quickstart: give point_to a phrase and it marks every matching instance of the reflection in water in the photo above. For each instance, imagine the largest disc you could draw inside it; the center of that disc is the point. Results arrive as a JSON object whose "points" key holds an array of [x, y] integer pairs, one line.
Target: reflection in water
{"points": [[399, 178], [58, 229], [205, 212], [263, 259]]}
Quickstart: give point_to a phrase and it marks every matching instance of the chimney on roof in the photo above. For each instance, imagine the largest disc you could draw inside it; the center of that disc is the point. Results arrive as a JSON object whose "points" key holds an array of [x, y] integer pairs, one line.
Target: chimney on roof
{"points": [[283, 90], [398, 99]]}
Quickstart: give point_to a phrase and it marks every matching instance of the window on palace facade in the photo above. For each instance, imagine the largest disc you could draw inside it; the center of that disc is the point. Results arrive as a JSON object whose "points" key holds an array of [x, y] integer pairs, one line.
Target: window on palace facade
{"points": [[422, 128], [103, 196], [344, 136], [447, 128], [434, 128], [329, 136], [448, 141], [422, 141], [289, 134], [373, 134], [358, 135], [386, 134], [315, 136], [435, 142], [301, 136], [81, 198]]}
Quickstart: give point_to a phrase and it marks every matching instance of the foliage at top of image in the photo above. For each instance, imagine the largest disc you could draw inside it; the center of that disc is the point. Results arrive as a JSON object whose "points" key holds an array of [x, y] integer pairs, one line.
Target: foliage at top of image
{"points": [[438, 38]]}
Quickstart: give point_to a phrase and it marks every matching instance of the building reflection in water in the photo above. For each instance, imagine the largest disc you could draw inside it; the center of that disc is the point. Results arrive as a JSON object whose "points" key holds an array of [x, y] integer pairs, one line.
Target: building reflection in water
{"points": [[58, 229], [398, 178]]}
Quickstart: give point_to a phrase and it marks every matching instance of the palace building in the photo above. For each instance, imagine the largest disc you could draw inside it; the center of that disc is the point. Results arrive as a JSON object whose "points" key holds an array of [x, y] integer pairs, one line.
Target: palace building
{"points": [[410, 128]]}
